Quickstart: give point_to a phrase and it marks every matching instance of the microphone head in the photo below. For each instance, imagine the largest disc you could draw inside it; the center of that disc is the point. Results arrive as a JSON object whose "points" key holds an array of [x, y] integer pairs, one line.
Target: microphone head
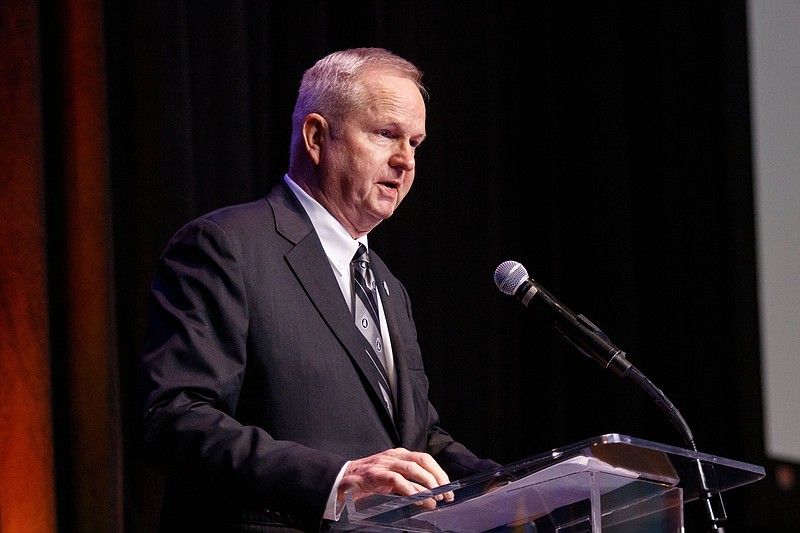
{"points": [[508, 276]]}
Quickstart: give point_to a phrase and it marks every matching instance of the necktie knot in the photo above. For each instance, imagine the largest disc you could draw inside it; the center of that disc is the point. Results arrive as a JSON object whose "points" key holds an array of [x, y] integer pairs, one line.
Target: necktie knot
{"points": [[363, 274], [364, 281], [361, 258]]}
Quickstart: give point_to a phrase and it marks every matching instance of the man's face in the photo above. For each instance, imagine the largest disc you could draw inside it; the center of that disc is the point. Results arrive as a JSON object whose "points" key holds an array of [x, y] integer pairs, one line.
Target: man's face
{"points": [[367, 168]]}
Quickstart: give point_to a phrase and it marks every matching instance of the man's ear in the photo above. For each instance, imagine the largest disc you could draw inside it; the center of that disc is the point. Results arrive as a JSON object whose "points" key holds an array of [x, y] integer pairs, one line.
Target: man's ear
{"points": [[315, 134]]}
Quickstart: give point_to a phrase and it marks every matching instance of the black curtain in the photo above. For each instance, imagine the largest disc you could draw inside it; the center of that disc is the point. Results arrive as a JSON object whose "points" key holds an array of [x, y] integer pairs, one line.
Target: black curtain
{"points": [[604, 146]]}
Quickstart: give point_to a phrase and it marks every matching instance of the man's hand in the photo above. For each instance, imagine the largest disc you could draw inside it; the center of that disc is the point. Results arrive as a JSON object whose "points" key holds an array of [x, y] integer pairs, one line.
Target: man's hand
{"points": [[396, 471]]}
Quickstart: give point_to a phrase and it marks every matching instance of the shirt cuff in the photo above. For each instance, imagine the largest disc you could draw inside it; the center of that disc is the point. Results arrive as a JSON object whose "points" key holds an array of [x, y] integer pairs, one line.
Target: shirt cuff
{"points": [[331, 511]]}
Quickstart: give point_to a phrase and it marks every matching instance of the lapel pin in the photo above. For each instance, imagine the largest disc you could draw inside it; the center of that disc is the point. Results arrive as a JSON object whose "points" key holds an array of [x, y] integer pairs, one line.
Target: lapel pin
{"points": [[386, 288]]}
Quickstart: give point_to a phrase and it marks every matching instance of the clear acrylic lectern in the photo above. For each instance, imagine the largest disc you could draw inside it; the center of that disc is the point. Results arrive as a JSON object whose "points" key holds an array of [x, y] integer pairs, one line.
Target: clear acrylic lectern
{"points": [[611, 483]]}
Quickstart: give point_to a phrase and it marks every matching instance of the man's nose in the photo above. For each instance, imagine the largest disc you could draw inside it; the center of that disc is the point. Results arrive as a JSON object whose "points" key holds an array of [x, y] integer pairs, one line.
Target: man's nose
{"points": [[404, 157]]}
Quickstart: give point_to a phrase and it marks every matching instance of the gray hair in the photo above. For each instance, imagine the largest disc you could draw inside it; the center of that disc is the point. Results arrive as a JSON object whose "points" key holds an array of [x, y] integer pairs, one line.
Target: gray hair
{"points": [[332, 87]]}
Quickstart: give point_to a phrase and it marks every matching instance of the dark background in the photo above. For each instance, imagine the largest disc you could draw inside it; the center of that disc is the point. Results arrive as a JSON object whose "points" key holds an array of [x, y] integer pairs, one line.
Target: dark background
{"points": [[604, 145]]}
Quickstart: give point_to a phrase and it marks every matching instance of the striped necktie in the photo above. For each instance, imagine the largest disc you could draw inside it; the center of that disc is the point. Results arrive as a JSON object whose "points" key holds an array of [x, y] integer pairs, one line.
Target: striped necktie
{"points": [[365, 311]]}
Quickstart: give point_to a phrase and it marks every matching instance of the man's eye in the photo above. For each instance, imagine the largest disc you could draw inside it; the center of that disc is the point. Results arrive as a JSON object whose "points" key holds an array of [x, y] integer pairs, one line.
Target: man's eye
{"points": [[385, 133]]}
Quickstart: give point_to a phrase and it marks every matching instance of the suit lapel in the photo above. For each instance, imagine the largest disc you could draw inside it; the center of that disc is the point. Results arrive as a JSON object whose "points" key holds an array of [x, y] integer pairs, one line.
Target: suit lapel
{"points": [[321, 286]]}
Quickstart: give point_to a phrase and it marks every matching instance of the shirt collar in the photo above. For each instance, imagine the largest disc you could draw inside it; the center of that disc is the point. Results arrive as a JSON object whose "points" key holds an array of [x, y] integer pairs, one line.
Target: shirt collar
{"points": [[339, 246]]}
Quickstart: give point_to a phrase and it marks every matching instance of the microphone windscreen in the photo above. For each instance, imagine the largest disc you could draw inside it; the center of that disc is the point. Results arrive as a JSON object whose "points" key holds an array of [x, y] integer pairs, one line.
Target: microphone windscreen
{"points": [[508, 276]]}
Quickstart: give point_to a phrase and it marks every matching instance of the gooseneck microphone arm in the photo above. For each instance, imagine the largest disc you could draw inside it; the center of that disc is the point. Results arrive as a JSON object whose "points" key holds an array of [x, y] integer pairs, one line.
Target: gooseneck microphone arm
{"points": [[512, 279], [712, 501]]}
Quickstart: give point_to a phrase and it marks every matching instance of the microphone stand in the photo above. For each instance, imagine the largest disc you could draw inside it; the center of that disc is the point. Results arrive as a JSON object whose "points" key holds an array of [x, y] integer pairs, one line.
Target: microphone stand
{"points": [[596, 345], [711, 500], [582, 334]]}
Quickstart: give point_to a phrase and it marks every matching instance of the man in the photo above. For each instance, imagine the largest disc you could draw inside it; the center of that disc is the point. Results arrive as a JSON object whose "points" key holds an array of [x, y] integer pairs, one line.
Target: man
{"points": [[263, 403]]}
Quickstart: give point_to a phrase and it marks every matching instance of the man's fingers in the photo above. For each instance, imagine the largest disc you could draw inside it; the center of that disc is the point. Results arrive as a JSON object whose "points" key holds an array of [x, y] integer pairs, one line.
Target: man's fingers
{"points": [[398, 471], [421, 467], [426, 471]]}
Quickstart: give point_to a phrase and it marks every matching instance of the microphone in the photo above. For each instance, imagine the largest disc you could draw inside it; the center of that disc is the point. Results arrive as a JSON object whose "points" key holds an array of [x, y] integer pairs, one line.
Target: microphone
{"points": [[512, 279]]}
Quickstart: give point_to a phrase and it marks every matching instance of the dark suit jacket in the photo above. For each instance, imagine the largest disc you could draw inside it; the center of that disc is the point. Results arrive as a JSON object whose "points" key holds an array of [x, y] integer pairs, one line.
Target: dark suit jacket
{"points": [[256, 384]]}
